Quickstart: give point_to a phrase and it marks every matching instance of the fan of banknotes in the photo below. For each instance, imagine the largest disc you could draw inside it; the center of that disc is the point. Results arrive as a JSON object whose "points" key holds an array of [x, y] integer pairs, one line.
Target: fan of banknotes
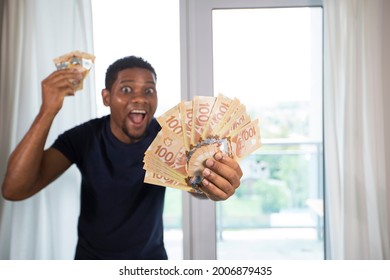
{"points": [[194, 131]]}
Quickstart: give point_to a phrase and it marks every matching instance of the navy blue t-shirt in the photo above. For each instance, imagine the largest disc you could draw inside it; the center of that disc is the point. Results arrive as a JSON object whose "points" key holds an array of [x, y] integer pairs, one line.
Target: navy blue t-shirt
{"points": [[120, 216]]}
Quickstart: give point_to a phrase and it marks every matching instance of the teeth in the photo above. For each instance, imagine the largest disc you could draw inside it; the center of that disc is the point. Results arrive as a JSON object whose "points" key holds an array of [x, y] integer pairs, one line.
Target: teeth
{"points": [[138, 112]]}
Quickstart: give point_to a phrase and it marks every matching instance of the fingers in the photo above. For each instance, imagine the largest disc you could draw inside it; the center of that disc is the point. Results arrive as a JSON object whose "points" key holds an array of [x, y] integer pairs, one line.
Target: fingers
{"points": [[63, 81], [58, 85], [221, 177]]}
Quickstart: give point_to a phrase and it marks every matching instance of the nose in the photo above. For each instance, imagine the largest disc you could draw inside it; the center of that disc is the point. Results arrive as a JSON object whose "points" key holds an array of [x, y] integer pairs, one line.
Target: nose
{"points": [[138, 97]]}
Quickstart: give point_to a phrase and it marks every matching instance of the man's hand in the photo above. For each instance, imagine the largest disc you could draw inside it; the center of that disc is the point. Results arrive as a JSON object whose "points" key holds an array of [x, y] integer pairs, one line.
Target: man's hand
{"points": [[221, 177], [58, 85]]}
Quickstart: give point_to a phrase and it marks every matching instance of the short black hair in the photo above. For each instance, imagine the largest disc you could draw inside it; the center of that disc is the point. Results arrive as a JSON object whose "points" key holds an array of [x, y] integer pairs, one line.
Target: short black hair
{"points": [[125, 63]]}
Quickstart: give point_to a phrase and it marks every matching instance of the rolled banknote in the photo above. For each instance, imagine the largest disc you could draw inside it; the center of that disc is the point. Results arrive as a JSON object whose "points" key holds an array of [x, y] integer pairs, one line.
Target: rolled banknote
{"points": [[82, 61]]}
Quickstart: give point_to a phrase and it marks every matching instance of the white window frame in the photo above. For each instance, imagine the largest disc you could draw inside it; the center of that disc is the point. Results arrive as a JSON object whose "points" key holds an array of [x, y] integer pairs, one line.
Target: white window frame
{"points": [[199, 216]]}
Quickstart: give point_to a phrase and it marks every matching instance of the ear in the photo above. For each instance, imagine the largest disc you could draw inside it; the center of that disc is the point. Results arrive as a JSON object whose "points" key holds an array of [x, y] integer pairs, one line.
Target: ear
{"points": [[106, 97]]}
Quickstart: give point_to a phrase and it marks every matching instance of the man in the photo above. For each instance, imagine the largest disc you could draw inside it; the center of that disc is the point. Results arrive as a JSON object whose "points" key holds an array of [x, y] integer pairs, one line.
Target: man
{"points": [[120, 216]]}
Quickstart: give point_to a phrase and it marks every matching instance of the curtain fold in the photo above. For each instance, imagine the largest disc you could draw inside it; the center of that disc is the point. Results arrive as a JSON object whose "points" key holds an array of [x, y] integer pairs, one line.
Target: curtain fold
{"points": [[355, 163], [33, 33]]}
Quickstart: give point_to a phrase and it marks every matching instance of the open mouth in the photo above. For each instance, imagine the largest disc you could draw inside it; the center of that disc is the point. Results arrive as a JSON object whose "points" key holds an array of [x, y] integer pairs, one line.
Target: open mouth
{"points": [[137, 116]]}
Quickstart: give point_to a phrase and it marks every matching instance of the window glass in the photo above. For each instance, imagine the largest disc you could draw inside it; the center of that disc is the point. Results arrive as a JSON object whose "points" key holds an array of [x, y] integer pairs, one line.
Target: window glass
{"points": [[133, 27], [271, 60]]}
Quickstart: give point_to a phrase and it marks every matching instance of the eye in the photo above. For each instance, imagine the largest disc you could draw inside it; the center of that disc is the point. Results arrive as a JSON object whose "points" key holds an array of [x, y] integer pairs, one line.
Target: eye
{"points": [[150, 91], [126, 89]]}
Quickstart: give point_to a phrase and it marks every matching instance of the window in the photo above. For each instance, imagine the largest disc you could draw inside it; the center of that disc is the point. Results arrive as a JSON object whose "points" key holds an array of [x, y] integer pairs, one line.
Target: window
{"points": [[269, 55], [271, 59], [131, 27]]}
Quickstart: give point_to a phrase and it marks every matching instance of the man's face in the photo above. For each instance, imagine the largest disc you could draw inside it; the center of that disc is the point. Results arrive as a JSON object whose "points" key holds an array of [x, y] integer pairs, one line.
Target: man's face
{"points": [[133, 102]]}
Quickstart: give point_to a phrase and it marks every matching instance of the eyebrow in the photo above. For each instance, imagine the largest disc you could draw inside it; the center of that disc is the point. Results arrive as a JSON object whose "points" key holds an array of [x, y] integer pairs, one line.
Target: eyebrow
{"points": [[133, 81]]}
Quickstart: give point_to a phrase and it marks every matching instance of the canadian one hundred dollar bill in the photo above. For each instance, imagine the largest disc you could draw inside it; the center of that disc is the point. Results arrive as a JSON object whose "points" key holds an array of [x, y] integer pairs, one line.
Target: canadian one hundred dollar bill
{"points": [[193, 131]]}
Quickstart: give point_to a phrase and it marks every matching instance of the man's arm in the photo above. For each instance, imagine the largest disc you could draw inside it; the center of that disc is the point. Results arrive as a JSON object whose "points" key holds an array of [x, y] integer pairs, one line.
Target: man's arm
{"points": [[30, 168]]}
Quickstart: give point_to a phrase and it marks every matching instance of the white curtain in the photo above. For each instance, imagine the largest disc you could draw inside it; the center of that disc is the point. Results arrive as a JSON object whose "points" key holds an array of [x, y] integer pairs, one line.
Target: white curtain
{"points": [[33, 33], [356, 206]]}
